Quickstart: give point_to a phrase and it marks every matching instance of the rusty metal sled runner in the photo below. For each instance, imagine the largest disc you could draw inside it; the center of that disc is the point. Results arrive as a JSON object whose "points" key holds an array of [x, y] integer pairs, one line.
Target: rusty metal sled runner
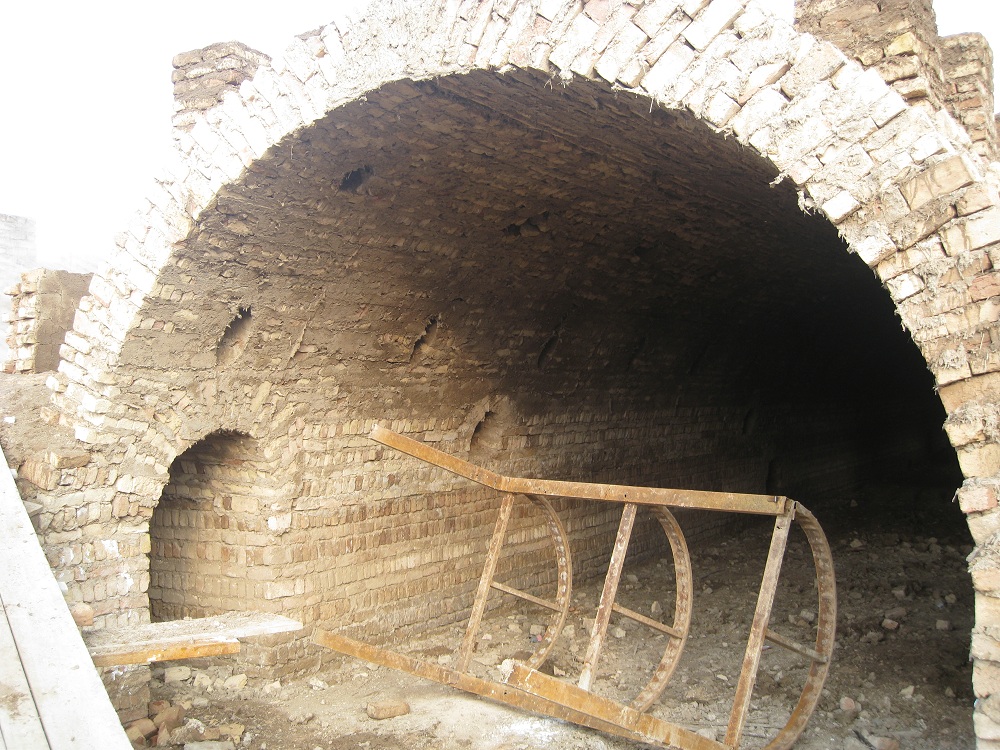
{"points": [[527, 688]]}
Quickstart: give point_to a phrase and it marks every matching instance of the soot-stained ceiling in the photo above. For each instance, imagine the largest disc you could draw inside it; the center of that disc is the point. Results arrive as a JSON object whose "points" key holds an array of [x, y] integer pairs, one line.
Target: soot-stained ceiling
{"points": [[505, 233]]}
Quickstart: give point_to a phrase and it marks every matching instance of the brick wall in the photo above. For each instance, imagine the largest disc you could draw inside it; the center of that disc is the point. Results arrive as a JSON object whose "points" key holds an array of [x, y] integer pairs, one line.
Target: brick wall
{"points": [[967, 61], [627, 389], [17, 254], [899, 39], [43, 305], [635, 387], [201, 77], [560, 277]]}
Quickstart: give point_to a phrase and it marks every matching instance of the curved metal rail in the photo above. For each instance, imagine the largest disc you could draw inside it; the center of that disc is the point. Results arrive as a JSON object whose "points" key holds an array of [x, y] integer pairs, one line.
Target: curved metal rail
{"points": [[678, 630], [564, 584], [821, 652], [528, 688]]}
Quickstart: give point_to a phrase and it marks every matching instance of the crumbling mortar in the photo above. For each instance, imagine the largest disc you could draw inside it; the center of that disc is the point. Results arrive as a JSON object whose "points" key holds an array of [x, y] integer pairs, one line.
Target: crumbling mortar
{"points": [[975, 412]]}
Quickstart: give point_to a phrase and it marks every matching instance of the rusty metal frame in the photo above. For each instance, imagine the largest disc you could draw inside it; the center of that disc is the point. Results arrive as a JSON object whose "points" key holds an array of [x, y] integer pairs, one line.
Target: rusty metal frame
{"points": [[564, 584], [530, 689]]}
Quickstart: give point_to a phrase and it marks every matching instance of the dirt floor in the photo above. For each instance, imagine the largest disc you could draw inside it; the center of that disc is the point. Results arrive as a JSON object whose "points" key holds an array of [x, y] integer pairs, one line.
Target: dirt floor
{"points": [[900, 672]]}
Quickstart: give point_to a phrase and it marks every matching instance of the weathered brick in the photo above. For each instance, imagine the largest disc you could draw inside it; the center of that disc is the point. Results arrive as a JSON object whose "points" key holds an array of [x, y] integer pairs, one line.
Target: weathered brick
{"points": [[977, 499], [972, 232], [985, 286], [942, 178], [711, 22]]}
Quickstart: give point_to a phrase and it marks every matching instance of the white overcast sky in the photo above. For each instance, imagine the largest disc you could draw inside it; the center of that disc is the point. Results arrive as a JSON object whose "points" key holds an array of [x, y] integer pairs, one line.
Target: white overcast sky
{"points": [[87, 99]]}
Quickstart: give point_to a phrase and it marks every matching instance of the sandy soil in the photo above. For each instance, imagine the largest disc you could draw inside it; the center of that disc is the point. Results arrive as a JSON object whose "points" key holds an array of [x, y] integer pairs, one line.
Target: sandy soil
{"points": [[900, 672]]}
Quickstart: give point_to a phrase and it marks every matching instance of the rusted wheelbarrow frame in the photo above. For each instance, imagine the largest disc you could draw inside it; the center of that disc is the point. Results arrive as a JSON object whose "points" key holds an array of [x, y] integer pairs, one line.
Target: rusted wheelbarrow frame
{"points": [[525, 687]]}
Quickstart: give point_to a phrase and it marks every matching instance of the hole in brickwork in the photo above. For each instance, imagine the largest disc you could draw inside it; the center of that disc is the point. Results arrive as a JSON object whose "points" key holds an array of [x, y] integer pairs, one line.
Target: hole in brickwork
{"points": [[636, 354], [354, 179], [487, 435], [698, 360], [773, 484], [234, 339], [300, 350], [426, 340], [547, 348], [530, 227], [496, 423]]}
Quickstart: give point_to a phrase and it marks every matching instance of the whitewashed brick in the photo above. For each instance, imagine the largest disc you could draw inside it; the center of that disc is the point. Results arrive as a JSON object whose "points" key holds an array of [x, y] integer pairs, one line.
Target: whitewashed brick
{"points": [[623, 49], [653, 15], [973, 232], [841, 206], [712, 21], [662, 76], [758, 112], [581, 32]]}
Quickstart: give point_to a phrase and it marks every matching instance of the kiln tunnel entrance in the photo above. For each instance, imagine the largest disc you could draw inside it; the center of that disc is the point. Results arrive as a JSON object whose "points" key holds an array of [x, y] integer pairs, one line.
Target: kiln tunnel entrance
{"points": [[444, 244], [644, 293]]}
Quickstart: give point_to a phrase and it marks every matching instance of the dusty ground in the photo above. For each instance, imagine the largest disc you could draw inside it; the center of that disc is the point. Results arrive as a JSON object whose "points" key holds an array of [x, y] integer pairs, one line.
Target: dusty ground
{"points": [[910, 682]]}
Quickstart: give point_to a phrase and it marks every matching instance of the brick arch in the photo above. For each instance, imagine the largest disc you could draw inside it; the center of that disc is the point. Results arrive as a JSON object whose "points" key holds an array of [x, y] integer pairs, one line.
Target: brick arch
{"points": [[900, 186], [199, 552], [875, 168]]}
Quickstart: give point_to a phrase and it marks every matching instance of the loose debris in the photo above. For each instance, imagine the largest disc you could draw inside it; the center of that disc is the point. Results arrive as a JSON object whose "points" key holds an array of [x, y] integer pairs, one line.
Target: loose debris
{"points": [[908, 688]]}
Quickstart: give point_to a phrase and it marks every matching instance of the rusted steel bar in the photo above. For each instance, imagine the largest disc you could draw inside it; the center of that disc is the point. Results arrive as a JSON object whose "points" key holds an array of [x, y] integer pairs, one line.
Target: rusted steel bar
{"points": [[723, 501], [193, 650], [526, 596], [826, 626], [483, 592], [574, 698], [683, 581], [647, 621], [608, 594], [538, 692], [564, 580], [471, 684], [762, 615], [181, 639], [791, 645]]}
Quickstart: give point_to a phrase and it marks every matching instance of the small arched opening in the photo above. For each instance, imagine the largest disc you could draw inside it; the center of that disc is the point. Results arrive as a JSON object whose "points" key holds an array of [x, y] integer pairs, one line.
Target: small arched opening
{"points": [[199, 533]]}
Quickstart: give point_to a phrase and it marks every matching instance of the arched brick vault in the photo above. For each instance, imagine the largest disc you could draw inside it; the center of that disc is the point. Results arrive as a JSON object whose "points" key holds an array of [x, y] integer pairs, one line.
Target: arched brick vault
{"points": [[609, 185]]}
